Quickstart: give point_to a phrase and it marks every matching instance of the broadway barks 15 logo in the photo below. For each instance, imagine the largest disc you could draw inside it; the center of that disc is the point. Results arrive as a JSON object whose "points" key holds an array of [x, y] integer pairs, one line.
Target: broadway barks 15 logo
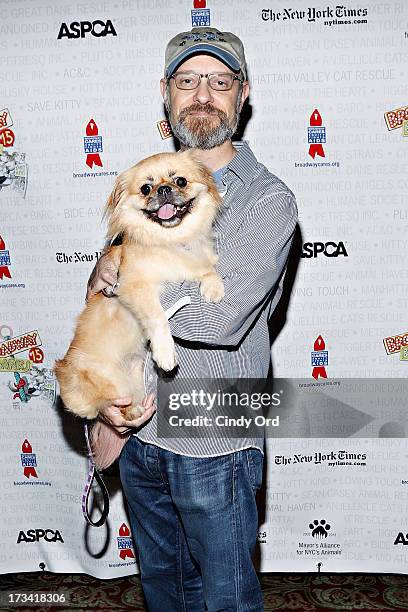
{"points": [[13, 167], [30, 380], [397, 118], [397, 344], [79, 29]]}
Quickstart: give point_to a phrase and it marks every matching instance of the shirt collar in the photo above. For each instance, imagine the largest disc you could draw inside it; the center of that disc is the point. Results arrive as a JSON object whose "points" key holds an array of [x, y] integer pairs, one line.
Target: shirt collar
{"points": [[243, 165]]}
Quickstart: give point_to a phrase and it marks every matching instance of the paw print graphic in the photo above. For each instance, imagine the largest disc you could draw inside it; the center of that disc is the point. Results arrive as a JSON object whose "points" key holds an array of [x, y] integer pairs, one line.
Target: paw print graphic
{"points": [[320, 528]]}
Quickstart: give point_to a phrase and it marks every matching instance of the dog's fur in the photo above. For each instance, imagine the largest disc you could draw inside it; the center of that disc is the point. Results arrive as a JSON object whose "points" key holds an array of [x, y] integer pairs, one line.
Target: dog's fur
{"points": [[105, 359]]}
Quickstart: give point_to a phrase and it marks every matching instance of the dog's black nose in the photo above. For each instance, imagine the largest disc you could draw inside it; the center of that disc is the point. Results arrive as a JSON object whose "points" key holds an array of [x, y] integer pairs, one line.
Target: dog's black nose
{"points": [[163, 190]]}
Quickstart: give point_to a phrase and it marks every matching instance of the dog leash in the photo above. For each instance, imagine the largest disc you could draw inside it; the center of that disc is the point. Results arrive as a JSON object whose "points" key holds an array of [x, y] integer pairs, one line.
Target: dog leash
{"points": [[93, 473]]}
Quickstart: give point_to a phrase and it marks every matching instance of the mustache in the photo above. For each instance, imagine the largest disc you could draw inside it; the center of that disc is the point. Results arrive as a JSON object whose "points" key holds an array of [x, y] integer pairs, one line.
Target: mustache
{"points": [[206, 108]]}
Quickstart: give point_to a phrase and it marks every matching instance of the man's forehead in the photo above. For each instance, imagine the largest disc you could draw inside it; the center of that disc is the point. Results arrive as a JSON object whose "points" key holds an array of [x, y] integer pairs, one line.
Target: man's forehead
{"points": [[203, 61]]}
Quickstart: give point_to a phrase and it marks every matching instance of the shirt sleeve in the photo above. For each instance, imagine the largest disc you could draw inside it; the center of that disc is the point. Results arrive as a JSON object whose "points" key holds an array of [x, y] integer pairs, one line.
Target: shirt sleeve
{"points": [[251, 264]]}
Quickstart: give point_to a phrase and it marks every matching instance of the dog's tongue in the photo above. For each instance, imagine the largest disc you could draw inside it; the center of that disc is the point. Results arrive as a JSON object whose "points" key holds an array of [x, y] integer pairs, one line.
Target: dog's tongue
{"points": [[166, 211]]}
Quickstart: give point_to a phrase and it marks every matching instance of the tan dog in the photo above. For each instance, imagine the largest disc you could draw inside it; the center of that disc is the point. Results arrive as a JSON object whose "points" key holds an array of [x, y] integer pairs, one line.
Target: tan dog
{"points": [[163, 208]]}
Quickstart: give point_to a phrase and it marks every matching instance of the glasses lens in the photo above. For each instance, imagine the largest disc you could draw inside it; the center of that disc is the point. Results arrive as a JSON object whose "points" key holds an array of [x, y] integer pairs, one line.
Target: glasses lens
{"points": [[221, 82], [186, 80]]}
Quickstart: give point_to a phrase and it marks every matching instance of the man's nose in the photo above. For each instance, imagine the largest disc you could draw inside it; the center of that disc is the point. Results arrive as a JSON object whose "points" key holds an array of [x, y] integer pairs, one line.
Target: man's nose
{"points": [[203, 92], [164, 190]]}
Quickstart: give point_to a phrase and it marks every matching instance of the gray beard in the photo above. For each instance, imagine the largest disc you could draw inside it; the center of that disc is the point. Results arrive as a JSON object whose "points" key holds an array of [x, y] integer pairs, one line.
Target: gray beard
{"points": [[201, 135], [202, 138]]}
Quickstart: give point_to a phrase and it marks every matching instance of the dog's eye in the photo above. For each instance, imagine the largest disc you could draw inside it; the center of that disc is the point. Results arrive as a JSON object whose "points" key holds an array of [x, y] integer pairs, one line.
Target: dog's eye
{"points": [[181, 181], [145, 189]]}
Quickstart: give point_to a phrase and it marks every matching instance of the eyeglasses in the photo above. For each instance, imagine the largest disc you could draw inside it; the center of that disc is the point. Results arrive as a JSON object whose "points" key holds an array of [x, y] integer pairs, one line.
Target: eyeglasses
{"points": [[217, 81]]}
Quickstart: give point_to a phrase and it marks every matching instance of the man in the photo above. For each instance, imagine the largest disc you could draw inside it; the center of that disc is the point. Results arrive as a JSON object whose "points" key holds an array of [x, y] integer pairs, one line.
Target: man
{"points": [[192, 501]]}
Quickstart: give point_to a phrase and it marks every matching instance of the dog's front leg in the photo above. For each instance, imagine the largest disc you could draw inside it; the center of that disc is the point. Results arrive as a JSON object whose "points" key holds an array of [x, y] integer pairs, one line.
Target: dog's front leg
{"points": [[142, 299], [212, 287], [211, 284]]}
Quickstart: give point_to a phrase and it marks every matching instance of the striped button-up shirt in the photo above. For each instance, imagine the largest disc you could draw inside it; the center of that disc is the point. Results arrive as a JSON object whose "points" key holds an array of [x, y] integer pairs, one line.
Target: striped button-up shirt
{"points": [[253, 233]]}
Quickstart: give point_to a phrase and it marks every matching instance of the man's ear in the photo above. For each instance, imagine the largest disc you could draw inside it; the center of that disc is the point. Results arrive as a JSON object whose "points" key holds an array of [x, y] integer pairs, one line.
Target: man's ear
{"points": [[163, 84], [164, 91], [244, 94]]}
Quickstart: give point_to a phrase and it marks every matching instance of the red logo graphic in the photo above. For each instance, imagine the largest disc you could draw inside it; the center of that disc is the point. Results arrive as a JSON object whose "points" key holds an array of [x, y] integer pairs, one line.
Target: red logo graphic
{"points": [[164, 128], [28, 460], [200, 4], [393, 344], [93, 145], [3, 119], [395, 118], [4, 260], [125, 543], [36, 355], [7, 137], [316, 135], [10, 346], [320, 358]]}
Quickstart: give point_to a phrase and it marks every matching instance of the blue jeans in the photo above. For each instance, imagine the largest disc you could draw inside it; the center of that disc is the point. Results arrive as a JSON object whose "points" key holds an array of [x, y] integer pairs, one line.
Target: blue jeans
{"points": [[194, 522]]}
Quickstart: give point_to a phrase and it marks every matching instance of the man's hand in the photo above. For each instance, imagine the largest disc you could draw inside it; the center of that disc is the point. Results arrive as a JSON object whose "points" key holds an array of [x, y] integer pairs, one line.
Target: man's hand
{"points": [[104, 276], [113, 415]]}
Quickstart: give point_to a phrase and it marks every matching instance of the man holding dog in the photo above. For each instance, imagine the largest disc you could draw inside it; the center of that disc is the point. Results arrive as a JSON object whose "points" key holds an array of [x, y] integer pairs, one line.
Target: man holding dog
{"points": [[192, 501]]}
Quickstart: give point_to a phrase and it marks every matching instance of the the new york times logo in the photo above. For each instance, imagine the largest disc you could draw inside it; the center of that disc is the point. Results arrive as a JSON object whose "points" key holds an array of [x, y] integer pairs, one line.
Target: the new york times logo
{"points": [[79, 29]]}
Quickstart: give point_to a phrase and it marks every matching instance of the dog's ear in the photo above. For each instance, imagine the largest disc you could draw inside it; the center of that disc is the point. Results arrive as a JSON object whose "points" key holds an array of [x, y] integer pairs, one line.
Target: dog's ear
{"points": [[119, 192], [111, 212]]}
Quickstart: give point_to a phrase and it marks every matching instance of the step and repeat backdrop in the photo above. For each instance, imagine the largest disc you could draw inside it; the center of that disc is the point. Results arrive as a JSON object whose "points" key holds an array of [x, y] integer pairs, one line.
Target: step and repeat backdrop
{"points": [[79, 103]]}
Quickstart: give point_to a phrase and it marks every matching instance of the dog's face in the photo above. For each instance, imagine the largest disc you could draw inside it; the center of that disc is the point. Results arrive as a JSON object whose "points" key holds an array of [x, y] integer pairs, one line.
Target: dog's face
{"points": [[168, 192]]}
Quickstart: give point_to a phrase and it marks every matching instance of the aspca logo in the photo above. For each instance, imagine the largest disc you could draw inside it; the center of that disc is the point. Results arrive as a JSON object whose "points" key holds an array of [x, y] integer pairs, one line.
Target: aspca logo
{"points": [[329, 249], [401, 539], [35, 535], [79, 29]]}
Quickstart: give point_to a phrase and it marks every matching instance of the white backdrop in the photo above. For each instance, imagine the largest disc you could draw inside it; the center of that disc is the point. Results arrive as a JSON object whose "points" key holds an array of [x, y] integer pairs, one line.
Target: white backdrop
{"points": [[337, 67]]}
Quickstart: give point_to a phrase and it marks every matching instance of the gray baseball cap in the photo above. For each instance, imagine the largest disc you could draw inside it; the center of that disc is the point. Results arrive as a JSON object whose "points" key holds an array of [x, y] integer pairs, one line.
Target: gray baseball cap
{"points": [[224, 45]]}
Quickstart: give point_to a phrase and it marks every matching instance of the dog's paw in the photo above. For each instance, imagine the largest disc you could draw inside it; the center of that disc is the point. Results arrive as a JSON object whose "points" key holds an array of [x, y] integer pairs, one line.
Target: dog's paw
{"points": [[212, 288], [165, 356], [130, 413]]}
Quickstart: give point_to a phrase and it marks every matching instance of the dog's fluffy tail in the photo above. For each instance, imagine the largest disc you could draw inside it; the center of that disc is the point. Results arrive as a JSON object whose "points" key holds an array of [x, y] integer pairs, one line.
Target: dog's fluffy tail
{"points": [[106, 444]]}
